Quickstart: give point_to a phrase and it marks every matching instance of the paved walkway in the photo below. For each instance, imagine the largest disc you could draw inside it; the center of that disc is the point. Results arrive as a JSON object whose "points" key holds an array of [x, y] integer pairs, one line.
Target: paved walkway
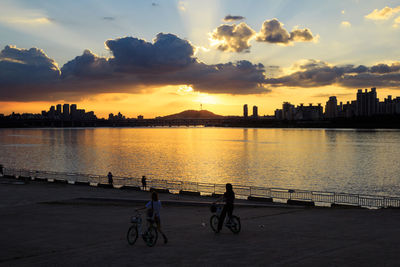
{"points": [[46, 224]]}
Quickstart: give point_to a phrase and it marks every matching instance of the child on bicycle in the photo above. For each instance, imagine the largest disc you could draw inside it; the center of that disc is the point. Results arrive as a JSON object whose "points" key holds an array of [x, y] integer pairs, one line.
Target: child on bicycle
{"points": [[153, 213], [229, 198]]}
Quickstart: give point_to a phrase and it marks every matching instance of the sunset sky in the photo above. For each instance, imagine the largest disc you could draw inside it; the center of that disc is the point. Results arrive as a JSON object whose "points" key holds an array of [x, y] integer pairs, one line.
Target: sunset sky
{"points": [[160, 57]]}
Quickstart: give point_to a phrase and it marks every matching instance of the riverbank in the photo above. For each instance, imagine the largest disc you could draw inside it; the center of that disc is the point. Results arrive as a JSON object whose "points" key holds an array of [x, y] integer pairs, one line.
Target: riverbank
{"points": [[47, 224]]}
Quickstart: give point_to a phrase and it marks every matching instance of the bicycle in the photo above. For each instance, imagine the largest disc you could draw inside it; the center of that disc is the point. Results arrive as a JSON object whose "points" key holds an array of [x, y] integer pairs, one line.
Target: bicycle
{"points": [[233, 225], [149, 235]]}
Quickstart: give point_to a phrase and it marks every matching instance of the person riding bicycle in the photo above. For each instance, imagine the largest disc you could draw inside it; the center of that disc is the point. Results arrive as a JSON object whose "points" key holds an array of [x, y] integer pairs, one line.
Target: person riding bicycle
{"points": [[229, 198], [153, 213]]}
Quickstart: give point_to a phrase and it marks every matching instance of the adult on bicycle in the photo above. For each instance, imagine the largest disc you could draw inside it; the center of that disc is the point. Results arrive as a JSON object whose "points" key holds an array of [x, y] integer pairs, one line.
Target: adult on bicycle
{"points": [[153, 213], [229, 198]]}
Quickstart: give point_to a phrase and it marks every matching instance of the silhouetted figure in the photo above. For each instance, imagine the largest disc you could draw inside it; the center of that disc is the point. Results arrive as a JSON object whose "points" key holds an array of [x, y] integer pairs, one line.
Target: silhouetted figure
{"points": [[110, 178], [144, 182], [1, 170], [229, 198], [153, 213]]}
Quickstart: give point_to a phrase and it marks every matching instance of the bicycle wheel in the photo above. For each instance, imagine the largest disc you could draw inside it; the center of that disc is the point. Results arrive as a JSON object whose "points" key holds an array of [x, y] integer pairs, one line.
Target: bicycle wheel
{"points": [[150, 236], [132, 235], [214, 222], [235, 224]]}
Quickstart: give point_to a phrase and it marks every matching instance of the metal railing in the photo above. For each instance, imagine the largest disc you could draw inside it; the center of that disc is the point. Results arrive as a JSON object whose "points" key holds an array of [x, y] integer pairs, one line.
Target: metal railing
{"points": [[361, 200]]}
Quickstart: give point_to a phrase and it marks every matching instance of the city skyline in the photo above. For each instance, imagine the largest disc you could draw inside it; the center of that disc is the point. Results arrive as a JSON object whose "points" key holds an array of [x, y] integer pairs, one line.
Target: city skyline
{"points": [[366, 104], [164, 57]]}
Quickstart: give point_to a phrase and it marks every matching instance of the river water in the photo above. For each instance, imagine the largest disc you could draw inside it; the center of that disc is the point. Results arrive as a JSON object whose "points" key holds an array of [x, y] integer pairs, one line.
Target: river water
{"points": [[338, 160]]}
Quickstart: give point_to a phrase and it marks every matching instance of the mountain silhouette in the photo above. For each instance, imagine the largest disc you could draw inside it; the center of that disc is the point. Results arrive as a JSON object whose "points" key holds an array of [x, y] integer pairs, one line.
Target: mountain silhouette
{"points": [[193, 114]]}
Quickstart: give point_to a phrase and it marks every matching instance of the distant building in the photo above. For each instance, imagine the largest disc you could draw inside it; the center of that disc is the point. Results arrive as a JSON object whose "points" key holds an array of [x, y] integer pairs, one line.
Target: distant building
{"points": [[301, 112], [66, 112], [348, 110], [90, 115], [80, 114], [52, 113], [309, 112], [367, 103], [73, 113], [245, 111], [287, 111], [278, 114], [140, 117], [58, 110], [255, 112], [119, 116], [331, 108]]}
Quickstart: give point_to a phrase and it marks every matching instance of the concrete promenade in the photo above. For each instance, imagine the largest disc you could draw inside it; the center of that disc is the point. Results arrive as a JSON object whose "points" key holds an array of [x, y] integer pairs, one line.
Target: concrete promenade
{"points": [[46, 224]]}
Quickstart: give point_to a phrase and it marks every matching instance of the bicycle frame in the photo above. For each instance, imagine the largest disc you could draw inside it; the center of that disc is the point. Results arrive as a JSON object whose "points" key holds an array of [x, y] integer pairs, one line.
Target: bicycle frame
{"points": [[219, 211], [138, 221], [232, 223]]}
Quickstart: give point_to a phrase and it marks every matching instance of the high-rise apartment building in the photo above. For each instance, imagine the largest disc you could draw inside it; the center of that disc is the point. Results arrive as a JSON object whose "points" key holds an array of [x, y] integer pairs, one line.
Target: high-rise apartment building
{"points": [[331, 108], [367, 103], [287, 111], [66, 111], [245, 111], [73, 113], [255, 112], [58, 110]]}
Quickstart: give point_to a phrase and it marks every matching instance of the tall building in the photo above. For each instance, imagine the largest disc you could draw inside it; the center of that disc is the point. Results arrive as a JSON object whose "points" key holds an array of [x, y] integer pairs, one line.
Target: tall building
{"points": [[255, 111], [58, 110], [331, 108], [367, 103], [287, 111], [66, 111], [73, 112], [245, 111], [278, 114], [52, 112]]}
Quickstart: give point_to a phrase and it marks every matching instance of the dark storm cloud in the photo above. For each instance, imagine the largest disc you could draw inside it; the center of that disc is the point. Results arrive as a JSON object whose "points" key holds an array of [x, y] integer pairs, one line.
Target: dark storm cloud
{"points": [[229, 18], [23, 72], [318, 73], [233, 38], [241, 78], [88, 65], [135, 64], [384, 68], [389, 80], [168, 60], [168, 52], [272, 31]]}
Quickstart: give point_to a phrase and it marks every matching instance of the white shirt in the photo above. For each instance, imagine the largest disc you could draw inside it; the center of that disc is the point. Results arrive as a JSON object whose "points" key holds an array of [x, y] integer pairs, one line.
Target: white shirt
{"points": [[156, 207]]}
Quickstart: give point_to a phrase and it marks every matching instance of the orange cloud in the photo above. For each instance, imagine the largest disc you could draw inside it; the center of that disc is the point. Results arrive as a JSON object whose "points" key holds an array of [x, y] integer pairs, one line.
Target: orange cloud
{"points": [[383, 14]]}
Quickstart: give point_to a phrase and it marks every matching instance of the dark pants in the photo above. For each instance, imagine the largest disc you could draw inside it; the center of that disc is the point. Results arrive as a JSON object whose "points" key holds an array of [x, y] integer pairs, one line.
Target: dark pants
{"points": [[228, 208]]}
